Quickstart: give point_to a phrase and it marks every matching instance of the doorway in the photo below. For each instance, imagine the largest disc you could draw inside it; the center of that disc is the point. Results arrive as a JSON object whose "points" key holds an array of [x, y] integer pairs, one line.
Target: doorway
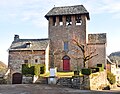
{"points": [[66, 63]]}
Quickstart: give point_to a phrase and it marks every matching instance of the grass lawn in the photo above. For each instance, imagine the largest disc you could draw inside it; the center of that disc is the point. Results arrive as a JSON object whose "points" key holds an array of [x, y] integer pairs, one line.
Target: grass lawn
{"points": [[65, 74], [59, 74]]}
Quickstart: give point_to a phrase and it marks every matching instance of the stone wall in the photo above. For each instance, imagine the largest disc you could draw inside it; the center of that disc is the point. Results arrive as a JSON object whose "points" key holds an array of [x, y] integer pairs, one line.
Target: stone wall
{"points": [[98, 80], [17, 58], [73, 82], [65, 33], [97, 44], [27, 80], [97, 38], [94, 81]]}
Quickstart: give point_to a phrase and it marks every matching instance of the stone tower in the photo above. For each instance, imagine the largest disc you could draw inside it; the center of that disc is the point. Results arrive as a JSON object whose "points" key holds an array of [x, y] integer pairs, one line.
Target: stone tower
{"points": [[64, 23], [97, 42]]}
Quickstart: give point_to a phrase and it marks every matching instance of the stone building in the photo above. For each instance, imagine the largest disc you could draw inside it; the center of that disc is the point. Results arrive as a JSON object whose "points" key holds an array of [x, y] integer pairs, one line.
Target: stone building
{"points": [[23, 51], [97, 43], [64, 24]]}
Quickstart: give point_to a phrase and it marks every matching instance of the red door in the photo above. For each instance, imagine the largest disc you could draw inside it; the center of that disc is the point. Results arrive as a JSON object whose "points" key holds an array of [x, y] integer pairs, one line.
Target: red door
{"points": [[66, 65]]}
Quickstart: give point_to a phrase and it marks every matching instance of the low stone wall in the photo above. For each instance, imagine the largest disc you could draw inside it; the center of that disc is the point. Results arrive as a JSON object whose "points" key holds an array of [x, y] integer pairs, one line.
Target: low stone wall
{"points": [[94, 81], [27, 80], [98, 80], [73, 82]]}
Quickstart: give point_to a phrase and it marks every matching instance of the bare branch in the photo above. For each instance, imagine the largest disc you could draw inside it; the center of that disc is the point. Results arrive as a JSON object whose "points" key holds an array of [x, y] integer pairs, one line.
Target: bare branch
{"points": [[79, 45], [82, 48], [91, 57]]}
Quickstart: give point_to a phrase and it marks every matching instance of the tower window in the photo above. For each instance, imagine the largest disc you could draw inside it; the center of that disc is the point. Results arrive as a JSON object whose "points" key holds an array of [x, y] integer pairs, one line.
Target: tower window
{"points": [[54, 21], [66, 46], [60, 20], [78, 20], [68, 20]]}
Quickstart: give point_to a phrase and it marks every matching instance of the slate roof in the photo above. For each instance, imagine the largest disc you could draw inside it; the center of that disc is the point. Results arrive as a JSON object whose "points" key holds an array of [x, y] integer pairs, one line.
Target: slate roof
{"points": [[68, 10], [36, 44]]}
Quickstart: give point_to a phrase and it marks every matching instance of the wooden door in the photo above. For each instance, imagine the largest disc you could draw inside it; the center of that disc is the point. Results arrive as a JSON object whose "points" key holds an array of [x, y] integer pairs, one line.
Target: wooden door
{"points": [[17, 78], [66, 65]]}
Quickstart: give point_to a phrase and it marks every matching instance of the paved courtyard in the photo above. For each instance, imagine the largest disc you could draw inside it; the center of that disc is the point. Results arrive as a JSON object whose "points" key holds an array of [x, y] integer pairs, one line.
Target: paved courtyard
{"points": [[47, 89]]}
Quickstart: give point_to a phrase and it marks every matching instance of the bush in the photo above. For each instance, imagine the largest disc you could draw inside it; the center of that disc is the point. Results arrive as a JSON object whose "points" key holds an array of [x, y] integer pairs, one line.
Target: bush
{"points": [[27, 69], [86, 71], [32, 69], [3, 81], [111, 77], [76, 72], [106, 88]]}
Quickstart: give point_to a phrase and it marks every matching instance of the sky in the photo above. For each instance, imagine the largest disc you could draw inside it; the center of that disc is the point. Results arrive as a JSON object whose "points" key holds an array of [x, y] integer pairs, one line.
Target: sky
{"points": [[26, 19]]}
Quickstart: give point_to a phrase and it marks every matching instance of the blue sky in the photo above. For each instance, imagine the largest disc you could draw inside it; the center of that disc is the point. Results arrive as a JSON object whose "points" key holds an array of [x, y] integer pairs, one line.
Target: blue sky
{"points": [[26, 18]]}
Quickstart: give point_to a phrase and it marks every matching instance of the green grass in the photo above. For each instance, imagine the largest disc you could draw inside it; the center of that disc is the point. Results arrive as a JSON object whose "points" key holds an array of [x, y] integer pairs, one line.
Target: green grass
{"points": [[60, 74], [65, 74]]}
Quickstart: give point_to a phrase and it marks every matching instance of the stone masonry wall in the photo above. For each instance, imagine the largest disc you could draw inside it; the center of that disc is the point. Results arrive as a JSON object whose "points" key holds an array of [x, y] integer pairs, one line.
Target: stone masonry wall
{"points": [[59, 34], [97, 44], [100, 58], [98, 80], [94, 81], [17, 58]]}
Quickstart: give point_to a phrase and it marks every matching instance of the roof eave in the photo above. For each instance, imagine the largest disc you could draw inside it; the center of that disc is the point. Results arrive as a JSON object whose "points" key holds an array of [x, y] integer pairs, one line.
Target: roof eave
{"points": [[87, 15]]}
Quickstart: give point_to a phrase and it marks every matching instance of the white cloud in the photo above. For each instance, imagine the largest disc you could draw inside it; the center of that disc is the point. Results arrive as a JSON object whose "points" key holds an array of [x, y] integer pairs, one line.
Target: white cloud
{"points": [[34, 10], [103, 6], [31, 10]]}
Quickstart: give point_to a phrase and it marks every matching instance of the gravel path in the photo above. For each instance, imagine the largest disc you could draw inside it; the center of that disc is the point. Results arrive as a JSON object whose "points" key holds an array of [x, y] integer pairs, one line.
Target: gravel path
{"points": [[47, 89]]}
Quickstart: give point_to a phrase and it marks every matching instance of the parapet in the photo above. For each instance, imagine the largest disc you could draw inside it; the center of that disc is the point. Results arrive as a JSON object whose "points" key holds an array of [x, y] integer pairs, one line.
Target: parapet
{"points": [[97, 38]]}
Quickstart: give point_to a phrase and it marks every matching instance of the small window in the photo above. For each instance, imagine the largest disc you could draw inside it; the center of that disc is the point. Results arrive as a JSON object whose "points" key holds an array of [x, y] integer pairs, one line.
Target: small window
{"points": [[28, 45], [36, 60], [60, 20], [78, 20], [54, 21], [66, 46], [42, 70], [25, 61], [68, 20]]}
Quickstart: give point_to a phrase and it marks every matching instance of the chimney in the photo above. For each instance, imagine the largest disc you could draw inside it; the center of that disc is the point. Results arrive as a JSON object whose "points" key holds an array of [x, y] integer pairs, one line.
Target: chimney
{"points": [[16, 37]]}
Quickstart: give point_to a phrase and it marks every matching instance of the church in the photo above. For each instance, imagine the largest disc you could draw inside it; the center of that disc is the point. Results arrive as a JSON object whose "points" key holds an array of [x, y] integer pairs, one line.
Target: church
{"points": [[58, 50]]}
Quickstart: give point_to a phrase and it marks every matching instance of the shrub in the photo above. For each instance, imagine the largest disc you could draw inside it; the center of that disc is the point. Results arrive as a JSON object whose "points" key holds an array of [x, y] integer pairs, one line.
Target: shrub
{"points": [[106, 88], [27, 69], [111, 77], [86, 71], [76, 72], [32, 69]]}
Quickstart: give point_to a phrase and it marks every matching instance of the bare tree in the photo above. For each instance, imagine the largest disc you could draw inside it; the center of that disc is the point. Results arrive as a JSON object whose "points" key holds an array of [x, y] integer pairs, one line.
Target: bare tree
{"points": [[83, 48]]}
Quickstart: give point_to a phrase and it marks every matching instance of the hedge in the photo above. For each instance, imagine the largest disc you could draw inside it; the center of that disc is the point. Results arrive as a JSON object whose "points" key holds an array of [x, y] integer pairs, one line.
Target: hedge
{"points": [[86, 71], [33, 69], [111, 78]]}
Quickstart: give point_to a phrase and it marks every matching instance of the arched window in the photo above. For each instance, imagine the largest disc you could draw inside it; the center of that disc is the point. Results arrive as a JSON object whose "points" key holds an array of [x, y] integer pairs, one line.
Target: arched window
{"points": [[66, 63]]}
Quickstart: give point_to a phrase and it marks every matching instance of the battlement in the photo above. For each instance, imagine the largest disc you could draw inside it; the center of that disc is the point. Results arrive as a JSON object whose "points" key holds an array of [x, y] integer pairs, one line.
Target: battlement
{"points": [[97, 38]]}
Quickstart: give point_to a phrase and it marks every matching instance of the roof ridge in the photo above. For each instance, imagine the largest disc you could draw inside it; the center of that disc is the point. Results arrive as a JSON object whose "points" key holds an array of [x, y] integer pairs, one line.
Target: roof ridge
{"points": [[67, 6], [68, 10]]}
